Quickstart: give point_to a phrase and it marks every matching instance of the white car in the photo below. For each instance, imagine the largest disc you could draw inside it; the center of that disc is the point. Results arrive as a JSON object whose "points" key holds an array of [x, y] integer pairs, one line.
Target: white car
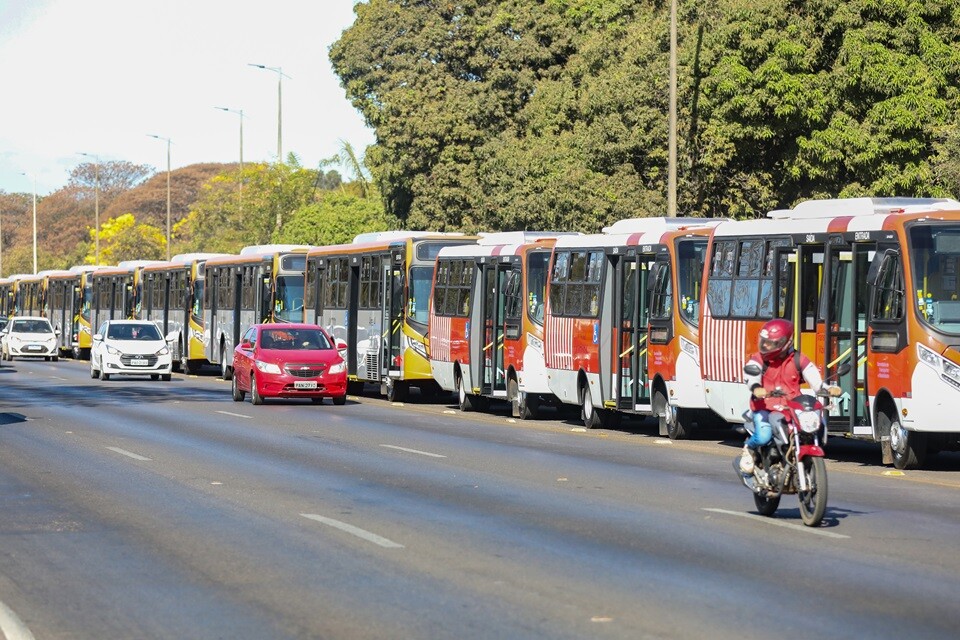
{"points": [[30, 336], [130, 347]]}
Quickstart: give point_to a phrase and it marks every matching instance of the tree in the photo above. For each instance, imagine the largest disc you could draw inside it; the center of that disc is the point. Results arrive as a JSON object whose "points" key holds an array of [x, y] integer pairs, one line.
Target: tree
{"points": [[114, 177], [335, 219], [123, 238]]}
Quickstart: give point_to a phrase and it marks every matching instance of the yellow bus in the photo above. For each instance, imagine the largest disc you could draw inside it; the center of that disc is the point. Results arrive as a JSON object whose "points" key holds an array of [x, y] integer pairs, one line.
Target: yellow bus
{"points": [[374, 294], [115, 291], [172, 297], [82, 335], [264, 283], [28, 294]]}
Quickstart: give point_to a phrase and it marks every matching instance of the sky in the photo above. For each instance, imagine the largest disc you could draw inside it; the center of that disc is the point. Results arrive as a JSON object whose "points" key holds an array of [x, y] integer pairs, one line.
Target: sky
{"points": [[101, 76]]}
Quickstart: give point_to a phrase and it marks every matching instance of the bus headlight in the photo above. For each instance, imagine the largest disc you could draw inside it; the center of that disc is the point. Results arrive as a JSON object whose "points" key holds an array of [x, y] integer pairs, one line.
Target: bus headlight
{"points": [[948, 371], [417, 346]]}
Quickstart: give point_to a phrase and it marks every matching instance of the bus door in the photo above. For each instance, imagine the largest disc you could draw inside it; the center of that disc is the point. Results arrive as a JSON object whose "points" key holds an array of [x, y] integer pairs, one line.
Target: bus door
{"points": [[486, 361], [809, 295], [631, 312], [845, 319], [392, 286]]}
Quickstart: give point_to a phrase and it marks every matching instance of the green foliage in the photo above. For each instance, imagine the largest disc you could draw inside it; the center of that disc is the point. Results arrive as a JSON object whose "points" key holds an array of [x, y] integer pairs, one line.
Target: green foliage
{"points": [[520, 114], [123, 238], [334, 219]]}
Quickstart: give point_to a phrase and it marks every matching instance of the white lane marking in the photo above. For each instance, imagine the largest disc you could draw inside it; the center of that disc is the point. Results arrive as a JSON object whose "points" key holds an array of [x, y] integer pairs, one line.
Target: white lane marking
{"points": [[12, 626], [662, 441], [780, 523], [356, 531], [129, 454], [58, 378], [422, 453], [235, 415]]}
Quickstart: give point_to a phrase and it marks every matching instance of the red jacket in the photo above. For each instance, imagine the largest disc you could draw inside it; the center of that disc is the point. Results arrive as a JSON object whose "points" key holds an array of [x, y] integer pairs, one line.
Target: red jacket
{"points": [[786, 374]]}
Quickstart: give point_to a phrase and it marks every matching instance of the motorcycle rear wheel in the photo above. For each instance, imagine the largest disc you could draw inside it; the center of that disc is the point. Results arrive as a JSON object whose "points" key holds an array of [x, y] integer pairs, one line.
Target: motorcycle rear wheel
{"points": [[766, 506], [813, 502]]}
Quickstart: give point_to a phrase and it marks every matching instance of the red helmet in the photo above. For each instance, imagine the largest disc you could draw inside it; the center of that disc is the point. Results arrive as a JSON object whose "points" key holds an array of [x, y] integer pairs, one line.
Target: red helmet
{"points": [[776, 339]]}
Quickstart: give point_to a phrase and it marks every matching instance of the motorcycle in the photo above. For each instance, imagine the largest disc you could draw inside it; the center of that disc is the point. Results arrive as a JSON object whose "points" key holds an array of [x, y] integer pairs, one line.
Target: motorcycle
{"points": [[793, 461]]}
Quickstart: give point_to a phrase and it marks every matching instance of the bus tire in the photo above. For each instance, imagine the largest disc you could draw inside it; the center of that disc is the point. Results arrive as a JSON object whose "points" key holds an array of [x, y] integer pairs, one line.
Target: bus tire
{"points": [[225, 370], [909, 448], [396, 390], [467, 402], [523, 405], [589, 413]]}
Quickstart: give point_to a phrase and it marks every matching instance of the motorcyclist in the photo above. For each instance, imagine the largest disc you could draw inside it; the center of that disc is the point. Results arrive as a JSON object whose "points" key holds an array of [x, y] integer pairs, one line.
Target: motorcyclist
{"points": [[783, 368]]}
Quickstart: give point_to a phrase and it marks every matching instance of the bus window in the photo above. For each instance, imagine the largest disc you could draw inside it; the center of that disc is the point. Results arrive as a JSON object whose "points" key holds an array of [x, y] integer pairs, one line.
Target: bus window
{"points": [[935, 254], [690, 255], [421, 279], [289, 299], [889, 297], [537, 263]]}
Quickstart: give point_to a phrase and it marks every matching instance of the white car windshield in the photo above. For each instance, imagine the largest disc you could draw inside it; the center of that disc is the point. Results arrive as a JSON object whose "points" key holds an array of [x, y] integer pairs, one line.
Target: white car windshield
{"points": [[133, 332], [31, 326]]}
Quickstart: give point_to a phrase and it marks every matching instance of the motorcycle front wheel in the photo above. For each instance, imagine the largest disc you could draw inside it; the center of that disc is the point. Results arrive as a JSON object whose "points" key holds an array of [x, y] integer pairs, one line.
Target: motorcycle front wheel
{"points": [[813, 501]]}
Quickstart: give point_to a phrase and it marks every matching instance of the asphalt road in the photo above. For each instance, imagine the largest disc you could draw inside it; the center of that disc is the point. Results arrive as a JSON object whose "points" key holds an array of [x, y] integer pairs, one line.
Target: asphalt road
{"points": [[141, 509]]}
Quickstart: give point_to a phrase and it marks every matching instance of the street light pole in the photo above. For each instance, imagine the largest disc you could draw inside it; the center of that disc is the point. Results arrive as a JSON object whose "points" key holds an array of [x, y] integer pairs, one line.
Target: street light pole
{"points": [[239, 113], [96, 204], [280, 76], [34, 221], [672, 118], [168, 141]]}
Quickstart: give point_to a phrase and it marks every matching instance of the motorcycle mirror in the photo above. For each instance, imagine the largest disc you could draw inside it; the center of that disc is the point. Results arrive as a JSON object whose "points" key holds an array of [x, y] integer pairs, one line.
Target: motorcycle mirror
{"points": [[752, 369], [843, 369]]}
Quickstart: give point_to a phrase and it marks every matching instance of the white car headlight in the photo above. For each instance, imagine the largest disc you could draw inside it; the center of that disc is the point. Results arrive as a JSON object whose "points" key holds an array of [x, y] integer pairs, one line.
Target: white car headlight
{"points": [[163, 351], [340, 367], [809, 421], [267, 367], [111, 350]]}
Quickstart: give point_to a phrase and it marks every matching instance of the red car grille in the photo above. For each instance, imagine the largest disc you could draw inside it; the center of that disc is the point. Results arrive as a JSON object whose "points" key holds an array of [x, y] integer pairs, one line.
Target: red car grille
{"points": [[305, 370]]}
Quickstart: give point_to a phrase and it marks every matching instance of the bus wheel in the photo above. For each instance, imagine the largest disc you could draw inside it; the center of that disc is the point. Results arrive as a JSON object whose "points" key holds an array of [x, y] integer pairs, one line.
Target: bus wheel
{"points": [[909, 448], [589, 413], [467, 402], [396, 390], [225, 371], [524, 406], [673, 422]]}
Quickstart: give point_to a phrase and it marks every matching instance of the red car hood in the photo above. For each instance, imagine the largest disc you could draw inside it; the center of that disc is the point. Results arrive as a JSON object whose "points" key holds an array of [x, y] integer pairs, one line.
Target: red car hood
{"points": [[306, 356]]}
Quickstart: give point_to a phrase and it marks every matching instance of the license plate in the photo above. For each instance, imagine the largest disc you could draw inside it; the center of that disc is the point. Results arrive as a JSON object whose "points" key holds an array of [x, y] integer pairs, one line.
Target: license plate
{"points": [[305, 384], [32, 347], [139, 362]]}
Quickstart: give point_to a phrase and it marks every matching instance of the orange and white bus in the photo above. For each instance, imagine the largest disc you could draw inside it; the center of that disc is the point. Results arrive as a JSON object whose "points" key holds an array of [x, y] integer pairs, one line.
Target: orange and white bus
{"points": [[673, 346], [597, 317], [173, 299], [374, 294], [264, 283], [869, 281], [496, 286], [116, 291]]}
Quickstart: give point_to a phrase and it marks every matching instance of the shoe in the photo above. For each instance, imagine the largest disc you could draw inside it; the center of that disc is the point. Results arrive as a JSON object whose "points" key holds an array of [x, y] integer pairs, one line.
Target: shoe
{"points": [[746, 461]]}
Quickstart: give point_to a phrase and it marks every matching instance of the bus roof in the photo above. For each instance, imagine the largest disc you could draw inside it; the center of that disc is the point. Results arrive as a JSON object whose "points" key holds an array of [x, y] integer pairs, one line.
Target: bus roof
{"points": [[87, 268], [389, 236], [135, 264], [838, 207], [184, 258], [264, 249], [657, 224], [520, 237]]}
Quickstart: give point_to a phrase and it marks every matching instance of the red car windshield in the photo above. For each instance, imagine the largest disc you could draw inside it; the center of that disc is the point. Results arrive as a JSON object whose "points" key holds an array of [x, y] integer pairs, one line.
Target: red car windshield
{"points": [[294, 339]]}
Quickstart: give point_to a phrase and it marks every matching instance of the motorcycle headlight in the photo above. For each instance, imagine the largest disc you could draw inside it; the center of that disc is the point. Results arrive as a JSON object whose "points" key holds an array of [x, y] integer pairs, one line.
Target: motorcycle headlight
{"points": [[809, 421], [267, 367], [340, 367]]}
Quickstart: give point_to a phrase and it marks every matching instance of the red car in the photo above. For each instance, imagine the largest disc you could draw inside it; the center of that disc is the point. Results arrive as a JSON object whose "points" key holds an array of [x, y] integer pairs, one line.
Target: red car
{"points": [[289, 361]]}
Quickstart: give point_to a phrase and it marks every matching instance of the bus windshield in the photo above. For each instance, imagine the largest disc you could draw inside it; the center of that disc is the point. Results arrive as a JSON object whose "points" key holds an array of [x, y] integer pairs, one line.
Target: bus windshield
{"points": [[196, 304], [421, 279], [87, 302], [289, 300], [537, 263], [934, 257], [690, 256]]}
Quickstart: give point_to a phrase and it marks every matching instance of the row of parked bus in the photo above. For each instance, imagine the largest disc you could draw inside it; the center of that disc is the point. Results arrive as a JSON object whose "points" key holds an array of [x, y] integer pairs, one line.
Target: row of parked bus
{"points": [[652, 317]]}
